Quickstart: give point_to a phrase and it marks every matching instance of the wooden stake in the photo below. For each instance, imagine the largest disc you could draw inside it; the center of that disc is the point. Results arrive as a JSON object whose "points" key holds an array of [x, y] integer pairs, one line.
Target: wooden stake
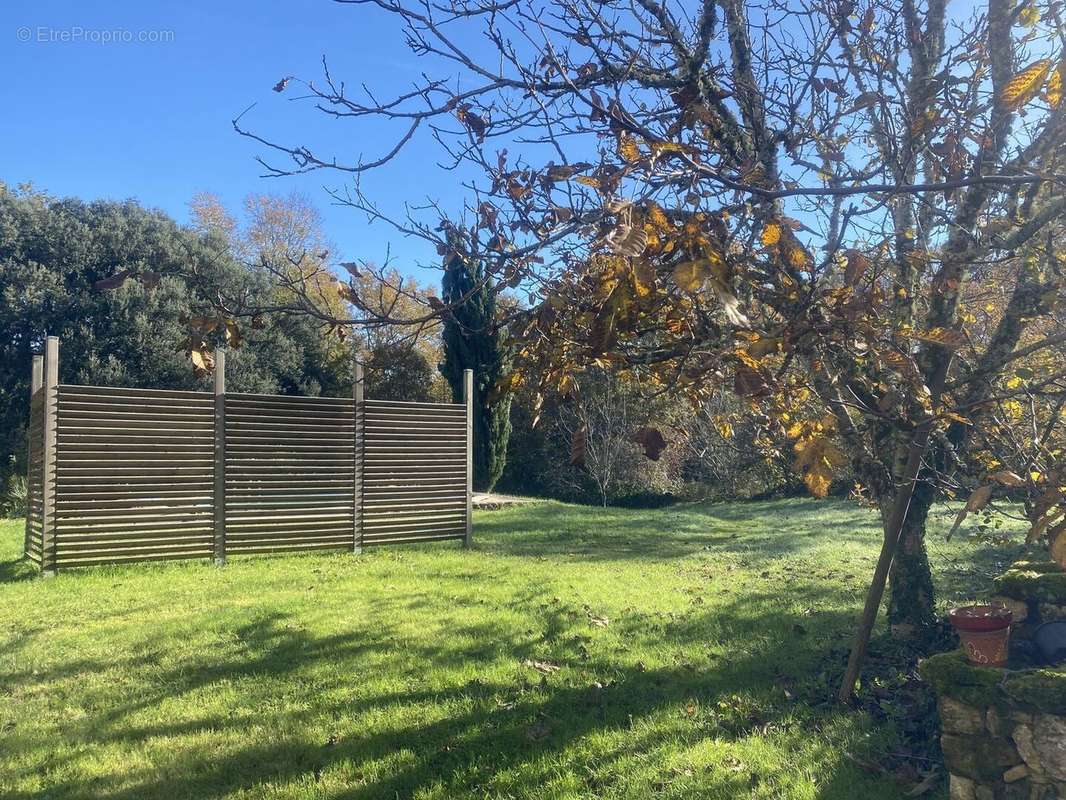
{"points": [[357, 466], [36, 382], [468, 400], [219, 499], [48, 479]]}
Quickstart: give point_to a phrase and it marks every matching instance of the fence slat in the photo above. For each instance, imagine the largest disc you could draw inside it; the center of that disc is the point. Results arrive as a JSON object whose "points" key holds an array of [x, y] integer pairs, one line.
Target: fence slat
{"points": [[219, 500]]}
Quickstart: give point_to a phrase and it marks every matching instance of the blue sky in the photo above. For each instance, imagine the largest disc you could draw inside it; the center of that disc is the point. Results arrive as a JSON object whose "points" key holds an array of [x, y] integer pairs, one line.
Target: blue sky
{"points": [[151, 120]]}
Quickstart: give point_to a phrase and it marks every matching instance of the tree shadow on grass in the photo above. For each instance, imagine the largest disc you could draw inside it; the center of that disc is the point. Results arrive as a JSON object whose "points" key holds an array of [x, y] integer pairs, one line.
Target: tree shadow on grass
{"points": [[17, 569], [511, 734]]}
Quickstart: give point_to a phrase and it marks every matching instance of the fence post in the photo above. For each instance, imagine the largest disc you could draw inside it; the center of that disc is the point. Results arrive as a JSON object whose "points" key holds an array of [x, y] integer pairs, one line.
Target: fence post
{"points": [[357, 464], [48, 458], [468, 400], [219, 496], [36, 381]]}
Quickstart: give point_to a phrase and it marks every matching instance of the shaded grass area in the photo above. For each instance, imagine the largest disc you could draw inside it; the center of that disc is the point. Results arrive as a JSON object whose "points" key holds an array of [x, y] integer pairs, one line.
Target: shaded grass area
{"points": [[573, 653]]}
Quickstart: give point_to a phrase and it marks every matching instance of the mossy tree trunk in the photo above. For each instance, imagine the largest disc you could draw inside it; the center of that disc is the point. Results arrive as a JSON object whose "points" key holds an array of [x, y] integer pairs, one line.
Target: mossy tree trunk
{"points": [[911, 599]]}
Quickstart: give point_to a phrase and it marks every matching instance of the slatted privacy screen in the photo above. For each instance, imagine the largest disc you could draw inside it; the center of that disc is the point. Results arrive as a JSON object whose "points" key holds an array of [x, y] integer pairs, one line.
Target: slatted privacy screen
{"points": [[414, 477], [290, 464], [140, 474], [134, 475]]}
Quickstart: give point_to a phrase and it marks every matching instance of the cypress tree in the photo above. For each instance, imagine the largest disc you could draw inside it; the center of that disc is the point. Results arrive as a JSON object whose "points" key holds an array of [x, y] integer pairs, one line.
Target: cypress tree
{"points": [[473, 341]]}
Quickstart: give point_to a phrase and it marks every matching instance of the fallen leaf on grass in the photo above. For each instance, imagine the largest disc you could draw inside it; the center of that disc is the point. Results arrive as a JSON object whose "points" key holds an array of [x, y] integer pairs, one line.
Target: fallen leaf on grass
{"points": [[543, 667]]}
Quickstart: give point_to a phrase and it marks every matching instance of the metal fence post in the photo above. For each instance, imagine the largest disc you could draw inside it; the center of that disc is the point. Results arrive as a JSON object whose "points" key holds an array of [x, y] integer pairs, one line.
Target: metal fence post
{"points": [[36, 382], [468, 400], [357, 461], [48, 458], [219, 496]]}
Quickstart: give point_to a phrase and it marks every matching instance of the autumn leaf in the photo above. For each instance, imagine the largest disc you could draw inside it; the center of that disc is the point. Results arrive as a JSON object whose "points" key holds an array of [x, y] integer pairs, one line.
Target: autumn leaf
{"points": [[544, 667], [587, 180], [978, 499], [475, 124], [233, 334], [627, 240], [1054, 85], [816, 456], [202, 360], [643, 278], [1024, 86], [628, 149], [1007, 478], [771, 234], [690, 275], [657, 217], [856, 267], [604, 330], [748, 381]]}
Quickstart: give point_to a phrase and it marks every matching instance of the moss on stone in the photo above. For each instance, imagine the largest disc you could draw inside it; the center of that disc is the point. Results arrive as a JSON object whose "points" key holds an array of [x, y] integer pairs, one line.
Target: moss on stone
{"points": [[1044, 581], [953, 676], [1041, 689]]}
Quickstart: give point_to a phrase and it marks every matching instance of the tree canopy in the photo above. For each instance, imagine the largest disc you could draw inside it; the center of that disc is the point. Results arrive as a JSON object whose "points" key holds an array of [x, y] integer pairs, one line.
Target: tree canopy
{"points": [[849, 211], [59, 257]]}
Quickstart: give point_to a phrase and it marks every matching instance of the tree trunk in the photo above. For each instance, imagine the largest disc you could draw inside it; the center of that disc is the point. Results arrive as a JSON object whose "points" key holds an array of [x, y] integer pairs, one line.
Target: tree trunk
{"points": [[911, 612]]}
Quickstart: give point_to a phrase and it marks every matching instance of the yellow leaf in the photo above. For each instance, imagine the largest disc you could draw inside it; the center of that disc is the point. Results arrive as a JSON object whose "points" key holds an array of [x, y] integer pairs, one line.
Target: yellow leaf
{"points": [[1054, 86], [1028, 16], [643, 278], [1024, 86], [588, 181], [771, 234], [690, 275], [202, 360], [657, 217], [627, 148]]}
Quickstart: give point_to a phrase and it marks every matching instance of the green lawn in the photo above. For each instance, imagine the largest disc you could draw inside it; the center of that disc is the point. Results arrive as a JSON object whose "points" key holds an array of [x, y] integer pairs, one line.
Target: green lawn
{"points": [[573, 653]]}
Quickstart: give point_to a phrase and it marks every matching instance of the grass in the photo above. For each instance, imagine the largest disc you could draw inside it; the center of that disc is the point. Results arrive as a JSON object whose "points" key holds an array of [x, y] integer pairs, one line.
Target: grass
{"points": [[573, 653]]}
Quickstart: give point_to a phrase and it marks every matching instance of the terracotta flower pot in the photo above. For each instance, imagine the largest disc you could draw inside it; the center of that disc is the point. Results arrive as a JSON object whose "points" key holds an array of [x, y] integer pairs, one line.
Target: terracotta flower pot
{"points": [[984, 631]]}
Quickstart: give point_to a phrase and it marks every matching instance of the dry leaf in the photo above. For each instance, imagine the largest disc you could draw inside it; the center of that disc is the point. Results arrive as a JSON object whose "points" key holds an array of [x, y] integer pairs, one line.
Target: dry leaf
{"points": [[978, 499]]}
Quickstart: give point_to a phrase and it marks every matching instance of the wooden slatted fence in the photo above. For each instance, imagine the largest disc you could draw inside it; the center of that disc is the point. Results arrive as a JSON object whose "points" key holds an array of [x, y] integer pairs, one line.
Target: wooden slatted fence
{"points": [[140, 474]]}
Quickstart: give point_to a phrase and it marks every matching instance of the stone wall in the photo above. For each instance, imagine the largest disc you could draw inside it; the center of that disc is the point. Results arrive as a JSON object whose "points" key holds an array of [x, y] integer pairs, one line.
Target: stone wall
{"points": [[1035, 591], [1003, 732]]}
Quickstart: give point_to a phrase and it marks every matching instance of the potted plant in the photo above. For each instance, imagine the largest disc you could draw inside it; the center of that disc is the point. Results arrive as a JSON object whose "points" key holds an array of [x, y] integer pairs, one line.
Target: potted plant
{"points": [[985, 632]]}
